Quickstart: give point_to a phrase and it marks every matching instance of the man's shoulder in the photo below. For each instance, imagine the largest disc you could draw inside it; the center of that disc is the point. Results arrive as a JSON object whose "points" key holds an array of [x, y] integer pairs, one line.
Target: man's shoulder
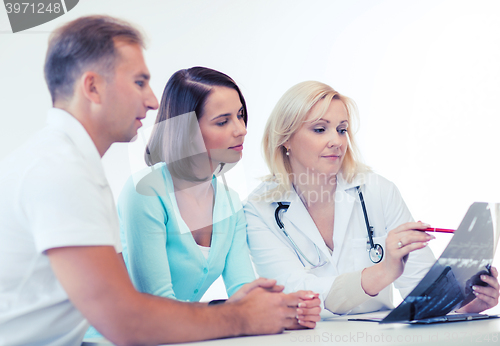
{"points": [[47, 156], [46, 143]]}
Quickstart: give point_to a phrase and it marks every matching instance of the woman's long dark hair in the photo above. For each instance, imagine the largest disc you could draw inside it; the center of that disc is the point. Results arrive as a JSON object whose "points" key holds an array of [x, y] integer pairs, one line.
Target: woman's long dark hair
{"points": [[186, 92]]}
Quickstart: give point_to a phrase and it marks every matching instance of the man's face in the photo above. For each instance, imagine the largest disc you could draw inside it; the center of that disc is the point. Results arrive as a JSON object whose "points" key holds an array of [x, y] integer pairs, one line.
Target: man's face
{"points": [[127, 95]]}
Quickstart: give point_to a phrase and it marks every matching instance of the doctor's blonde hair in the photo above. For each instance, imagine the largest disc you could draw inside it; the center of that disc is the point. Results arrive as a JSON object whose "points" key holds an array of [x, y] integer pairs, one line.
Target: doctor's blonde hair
{"points": [[288, 116]]}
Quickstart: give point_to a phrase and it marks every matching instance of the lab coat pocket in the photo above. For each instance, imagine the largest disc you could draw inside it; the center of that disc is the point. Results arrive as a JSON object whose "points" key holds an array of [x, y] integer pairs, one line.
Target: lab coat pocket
{"points": [[360, 251]]}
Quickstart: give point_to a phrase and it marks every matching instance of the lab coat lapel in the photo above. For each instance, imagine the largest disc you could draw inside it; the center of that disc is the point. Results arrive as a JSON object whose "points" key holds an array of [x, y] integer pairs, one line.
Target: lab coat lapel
{"points": [[299, 217], [343, 209], [345, 201]]}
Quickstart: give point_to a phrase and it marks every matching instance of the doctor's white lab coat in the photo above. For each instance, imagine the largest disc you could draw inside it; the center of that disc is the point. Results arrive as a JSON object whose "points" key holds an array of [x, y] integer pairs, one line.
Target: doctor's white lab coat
{"points": [[274, 256]]}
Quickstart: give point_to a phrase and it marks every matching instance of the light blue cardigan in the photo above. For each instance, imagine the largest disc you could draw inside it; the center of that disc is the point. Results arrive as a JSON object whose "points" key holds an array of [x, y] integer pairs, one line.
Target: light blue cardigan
{"points": [[160, 252]]}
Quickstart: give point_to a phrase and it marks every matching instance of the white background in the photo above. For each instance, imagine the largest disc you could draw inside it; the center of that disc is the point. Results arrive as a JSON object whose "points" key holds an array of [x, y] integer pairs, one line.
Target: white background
{"points": [[425, 75]]}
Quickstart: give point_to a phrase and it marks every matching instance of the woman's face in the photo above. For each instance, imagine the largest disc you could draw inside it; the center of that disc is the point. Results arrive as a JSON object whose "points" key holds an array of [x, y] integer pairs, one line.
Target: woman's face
{"points": [[319, 146], [222, 125]]}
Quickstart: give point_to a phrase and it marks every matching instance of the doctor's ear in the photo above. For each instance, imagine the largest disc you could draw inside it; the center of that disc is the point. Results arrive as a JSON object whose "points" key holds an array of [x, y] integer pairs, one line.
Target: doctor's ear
{"points": [[287, 150], [92, 85]]}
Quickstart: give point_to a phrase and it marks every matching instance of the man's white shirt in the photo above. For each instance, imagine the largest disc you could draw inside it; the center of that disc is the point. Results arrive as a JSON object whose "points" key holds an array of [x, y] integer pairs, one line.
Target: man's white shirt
{"points": [[53, 193]]}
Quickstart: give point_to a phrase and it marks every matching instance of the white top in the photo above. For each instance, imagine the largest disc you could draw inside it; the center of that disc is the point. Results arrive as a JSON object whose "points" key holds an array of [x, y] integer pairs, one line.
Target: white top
{"points": [[54, 194], [205, 250], [274, 256]]}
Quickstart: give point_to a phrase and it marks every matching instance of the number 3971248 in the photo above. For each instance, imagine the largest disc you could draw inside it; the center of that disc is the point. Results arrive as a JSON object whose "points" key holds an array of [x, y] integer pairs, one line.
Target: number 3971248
{"points": [[27, 7]]}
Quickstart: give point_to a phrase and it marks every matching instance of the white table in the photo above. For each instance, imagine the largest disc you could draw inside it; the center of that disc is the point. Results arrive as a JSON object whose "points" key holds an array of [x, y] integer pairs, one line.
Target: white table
{"points": [[339, 331]]}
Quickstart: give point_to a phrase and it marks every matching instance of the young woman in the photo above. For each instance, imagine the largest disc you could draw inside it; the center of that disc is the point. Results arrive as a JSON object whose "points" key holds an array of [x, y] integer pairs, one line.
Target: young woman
{"points": [[181, 228], [309, 223]]}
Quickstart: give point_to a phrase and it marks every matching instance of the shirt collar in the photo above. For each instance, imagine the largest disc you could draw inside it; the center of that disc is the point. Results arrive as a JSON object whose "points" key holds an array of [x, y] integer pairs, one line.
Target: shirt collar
{"points": [[358, 180], [68, 124], [342, 185]]}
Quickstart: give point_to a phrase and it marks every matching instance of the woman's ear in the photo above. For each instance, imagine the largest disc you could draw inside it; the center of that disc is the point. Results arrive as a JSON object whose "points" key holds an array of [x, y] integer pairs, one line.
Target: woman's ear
{"points": [[286, 145]]}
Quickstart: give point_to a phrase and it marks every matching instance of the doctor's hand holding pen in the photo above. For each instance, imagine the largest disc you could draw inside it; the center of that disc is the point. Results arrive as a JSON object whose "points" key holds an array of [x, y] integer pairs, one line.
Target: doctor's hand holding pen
{"points": [[308, 308], [412, 236], [399, 243]]}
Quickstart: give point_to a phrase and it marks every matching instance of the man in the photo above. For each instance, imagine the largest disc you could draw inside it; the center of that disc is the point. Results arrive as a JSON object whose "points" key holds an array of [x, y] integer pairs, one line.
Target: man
{"points": [[59, 237]]}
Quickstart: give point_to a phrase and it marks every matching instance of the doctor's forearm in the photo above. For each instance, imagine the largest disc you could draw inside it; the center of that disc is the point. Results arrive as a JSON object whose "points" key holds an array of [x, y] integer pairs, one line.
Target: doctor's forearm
{"points": [[346, 293], [374, 279]]}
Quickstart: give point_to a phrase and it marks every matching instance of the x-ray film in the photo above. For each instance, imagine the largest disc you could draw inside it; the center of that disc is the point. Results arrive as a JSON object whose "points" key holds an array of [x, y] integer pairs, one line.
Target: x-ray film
{"points": [[448, 284]]}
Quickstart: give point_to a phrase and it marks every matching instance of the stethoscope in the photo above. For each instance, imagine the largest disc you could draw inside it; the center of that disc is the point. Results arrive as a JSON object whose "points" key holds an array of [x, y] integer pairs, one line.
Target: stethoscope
{"points": [[297, 250], [375, 252]]}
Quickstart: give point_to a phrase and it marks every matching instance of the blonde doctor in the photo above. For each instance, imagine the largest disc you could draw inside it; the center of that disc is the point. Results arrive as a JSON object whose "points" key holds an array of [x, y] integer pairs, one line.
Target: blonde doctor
{"points": [[323, 221]]}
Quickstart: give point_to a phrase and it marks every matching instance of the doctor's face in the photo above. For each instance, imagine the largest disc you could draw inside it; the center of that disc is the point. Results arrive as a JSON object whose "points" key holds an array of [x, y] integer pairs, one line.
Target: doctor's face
{"points": [[319, 146], [222, 125]]}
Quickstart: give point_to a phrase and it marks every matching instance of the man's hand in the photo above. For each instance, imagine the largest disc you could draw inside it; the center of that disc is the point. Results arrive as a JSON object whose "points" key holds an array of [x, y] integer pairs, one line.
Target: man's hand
{"points": [[97, 283], [265, 312], [307, 307], [268, 284]]}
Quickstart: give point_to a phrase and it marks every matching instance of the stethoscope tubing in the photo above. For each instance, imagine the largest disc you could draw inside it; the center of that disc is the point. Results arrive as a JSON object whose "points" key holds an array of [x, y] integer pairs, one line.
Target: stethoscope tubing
{"points": [[376, 251], [297, 250], [365, 214]]}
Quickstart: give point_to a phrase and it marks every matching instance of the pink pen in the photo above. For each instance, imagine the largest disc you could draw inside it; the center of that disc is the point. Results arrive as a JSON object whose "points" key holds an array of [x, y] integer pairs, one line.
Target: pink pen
{"points": [[441, 230]]}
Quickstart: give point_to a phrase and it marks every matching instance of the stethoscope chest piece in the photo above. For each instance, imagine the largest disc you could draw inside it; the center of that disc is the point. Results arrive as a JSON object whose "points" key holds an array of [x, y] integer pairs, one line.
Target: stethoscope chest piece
{"points": [[376, 253]]}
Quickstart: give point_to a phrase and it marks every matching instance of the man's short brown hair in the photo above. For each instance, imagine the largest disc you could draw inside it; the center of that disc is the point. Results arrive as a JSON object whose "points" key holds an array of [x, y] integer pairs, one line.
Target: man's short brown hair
{"points": [[87, 42]]}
